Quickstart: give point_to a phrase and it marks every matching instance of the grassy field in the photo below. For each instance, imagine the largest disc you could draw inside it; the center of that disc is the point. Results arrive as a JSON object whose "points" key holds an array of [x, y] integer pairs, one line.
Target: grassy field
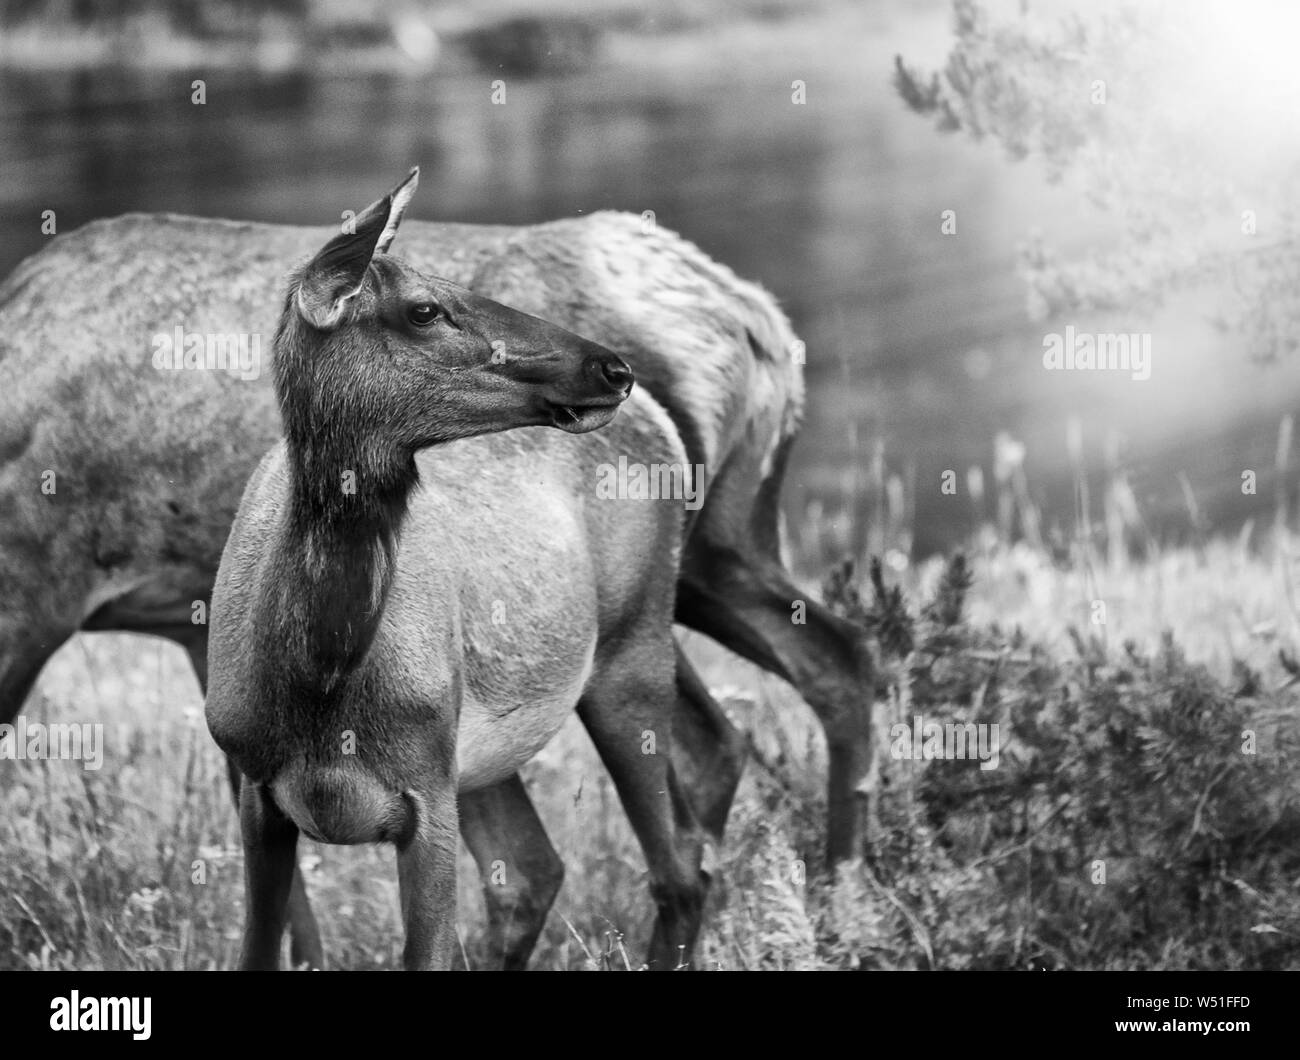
{"points": [[99, 867]]}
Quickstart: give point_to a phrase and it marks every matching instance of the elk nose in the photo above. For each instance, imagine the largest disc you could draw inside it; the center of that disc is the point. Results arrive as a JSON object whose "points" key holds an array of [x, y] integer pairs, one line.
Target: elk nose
{"points": [[614, 372]]}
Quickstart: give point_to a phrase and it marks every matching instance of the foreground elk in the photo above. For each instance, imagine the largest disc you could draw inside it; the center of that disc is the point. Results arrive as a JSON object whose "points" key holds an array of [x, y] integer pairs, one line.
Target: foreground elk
{"points": [[150, 464], [400, 613]]}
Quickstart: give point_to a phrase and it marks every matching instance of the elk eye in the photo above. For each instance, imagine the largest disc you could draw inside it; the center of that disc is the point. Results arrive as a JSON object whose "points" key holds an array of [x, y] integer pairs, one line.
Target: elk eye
{"points": [[422, 314]]}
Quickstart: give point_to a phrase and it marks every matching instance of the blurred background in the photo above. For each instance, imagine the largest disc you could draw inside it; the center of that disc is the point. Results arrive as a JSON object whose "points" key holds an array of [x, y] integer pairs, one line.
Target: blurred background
{"points": [[920, 348]]}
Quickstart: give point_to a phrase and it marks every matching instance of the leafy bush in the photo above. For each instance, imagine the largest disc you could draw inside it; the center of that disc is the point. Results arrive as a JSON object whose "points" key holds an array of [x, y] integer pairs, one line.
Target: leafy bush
{"points": [[1141, 814]]}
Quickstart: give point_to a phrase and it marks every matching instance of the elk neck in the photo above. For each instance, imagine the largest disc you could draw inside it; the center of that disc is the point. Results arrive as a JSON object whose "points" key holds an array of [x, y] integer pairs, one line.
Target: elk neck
{"points": [[349, 485]]}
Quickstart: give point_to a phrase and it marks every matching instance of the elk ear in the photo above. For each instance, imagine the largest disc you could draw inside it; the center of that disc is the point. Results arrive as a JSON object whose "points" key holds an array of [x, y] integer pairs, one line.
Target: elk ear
{"points": [[335, 275]]}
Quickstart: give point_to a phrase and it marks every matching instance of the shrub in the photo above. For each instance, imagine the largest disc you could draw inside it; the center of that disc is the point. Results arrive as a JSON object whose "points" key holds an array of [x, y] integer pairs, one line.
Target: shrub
{"points": [[1141, 814]]}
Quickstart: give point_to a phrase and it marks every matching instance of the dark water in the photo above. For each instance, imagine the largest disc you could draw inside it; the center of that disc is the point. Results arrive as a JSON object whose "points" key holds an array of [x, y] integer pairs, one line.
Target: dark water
{"points": [[915, 339]]}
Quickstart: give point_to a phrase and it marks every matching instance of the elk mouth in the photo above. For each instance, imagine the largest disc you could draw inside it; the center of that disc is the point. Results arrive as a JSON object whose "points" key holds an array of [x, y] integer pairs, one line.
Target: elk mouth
{"points": [[579, 419]]}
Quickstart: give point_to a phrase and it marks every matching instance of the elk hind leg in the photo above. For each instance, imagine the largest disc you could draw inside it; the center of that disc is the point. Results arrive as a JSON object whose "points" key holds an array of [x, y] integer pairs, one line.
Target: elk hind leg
{"points": [[627, 709], [708, 751], [750, 607], [22, 657], [521, 871]]}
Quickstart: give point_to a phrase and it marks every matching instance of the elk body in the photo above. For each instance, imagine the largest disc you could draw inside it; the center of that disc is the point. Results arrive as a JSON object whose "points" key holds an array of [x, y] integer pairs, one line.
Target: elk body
{"points": [[150, 464], [374, 650]]}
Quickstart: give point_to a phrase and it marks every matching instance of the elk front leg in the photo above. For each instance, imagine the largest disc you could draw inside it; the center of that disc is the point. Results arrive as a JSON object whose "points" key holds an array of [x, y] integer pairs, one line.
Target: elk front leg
{"points": [[270, 859], [304, 935], [426, 876], [521, 871], [305, 948]]}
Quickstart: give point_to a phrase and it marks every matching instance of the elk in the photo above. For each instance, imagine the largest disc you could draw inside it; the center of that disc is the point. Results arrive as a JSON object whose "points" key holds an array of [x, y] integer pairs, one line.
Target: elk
{"points": [[150, 465], [369, 614]]}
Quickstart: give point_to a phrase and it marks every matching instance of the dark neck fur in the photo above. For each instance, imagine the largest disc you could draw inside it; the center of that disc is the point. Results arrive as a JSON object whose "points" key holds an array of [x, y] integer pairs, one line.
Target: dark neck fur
{"points": [[348, 493]]}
